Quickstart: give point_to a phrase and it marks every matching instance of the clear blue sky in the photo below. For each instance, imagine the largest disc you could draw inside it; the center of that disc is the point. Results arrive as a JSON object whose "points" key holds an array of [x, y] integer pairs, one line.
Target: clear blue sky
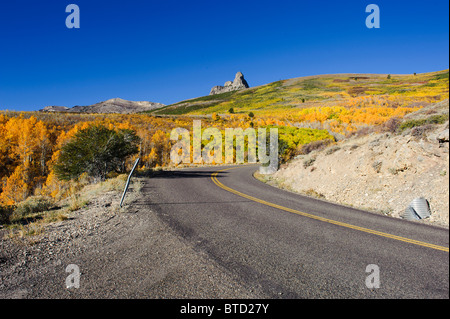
{"points": [[167, 51]]}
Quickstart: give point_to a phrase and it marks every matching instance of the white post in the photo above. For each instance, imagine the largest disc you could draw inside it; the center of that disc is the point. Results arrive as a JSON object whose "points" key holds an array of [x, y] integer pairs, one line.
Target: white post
{"points": [[128, 182]]}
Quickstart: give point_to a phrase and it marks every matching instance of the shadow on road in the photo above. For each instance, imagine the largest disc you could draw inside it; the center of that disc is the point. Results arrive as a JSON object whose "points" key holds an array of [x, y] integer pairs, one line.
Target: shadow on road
{"points": [[147, 203], [181, 174]]}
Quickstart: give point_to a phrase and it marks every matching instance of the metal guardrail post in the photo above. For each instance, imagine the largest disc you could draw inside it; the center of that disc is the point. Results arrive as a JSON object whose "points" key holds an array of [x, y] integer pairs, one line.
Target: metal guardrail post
{"points": [[128, 182]]}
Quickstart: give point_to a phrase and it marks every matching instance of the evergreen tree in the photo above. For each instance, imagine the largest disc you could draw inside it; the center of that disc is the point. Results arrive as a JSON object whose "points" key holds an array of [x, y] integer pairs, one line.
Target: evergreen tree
{"points": [[96, 151]]}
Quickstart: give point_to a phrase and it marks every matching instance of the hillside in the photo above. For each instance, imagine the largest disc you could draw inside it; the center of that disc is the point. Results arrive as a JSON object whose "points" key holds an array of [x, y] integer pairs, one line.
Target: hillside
{"points": [[381, 171], [312, 91], [308, 112]]}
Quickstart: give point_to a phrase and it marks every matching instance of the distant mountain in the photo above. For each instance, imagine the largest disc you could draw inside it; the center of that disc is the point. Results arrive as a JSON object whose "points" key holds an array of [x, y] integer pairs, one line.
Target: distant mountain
{"points": [[55, 109], [116, 105]]}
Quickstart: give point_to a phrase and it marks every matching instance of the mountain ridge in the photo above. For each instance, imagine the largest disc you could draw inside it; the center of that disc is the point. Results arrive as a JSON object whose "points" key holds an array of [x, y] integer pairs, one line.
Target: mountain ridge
{"points": [[115, 105]]}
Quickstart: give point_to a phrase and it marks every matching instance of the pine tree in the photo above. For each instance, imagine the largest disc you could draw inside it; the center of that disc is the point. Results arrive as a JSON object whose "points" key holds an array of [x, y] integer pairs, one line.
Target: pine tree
{"points": [[96, 151]]}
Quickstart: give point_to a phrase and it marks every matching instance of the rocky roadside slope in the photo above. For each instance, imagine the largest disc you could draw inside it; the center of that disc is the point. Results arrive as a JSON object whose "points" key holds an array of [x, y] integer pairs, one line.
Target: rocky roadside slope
{"points": [[379, 172]]}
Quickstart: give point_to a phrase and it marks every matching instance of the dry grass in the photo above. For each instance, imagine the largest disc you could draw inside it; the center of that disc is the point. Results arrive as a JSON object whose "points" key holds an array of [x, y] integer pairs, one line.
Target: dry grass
{"points": [[313, 193], [32, 215]]}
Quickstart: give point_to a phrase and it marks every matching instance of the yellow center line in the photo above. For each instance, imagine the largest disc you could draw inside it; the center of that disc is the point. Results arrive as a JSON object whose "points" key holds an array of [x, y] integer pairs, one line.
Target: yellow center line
{"points": [[327, 220]]}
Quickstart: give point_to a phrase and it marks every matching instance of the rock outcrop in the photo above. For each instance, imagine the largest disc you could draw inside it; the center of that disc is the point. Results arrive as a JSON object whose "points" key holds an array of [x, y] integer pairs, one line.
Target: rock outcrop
{"points": [[443, 137], [239, 83]]}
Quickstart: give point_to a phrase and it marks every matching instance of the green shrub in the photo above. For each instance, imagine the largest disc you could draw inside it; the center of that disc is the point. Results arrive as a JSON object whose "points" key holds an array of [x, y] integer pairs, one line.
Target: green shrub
{"points": [[377, 166], [435, 119], [313, 193], [332, 150], [96, 151], [315, 146], [441, 76], [308, 162], [32, 205], [5, 214], [411, 123]]}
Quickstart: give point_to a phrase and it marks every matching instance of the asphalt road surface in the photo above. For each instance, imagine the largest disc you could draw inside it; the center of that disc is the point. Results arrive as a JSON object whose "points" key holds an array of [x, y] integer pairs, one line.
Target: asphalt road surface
{"points": [[291, 246], [203, 233]]}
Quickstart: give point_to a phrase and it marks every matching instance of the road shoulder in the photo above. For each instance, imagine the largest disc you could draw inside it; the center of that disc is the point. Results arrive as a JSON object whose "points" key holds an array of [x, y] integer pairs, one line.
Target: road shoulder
{"points": [[128, 253]]}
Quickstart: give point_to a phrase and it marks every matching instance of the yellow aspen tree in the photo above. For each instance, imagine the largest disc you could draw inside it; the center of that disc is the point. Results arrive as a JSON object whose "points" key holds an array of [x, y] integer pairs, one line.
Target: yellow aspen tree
{"points": [[15, 190]]}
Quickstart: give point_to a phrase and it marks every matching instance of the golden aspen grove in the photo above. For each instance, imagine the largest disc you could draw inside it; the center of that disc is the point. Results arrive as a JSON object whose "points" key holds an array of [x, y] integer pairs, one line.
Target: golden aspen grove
{"points": [[304, 109]]}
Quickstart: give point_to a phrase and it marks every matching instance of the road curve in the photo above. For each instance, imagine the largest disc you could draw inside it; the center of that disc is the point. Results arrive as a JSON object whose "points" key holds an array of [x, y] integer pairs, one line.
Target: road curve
{"points": [[291, 246]]}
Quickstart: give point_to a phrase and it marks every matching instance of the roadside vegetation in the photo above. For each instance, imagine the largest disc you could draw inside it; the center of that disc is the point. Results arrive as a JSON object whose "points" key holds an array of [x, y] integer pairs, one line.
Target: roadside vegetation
{"points": [[48, 158], [28, 218], [341, 104]]}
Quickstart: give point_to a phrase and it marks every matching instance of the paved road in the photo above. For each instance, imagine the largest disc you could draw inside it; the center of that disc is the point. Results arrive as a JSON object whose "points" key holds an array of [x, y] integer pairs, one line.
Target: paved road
{"points": [[195, 233], [290, 246]]}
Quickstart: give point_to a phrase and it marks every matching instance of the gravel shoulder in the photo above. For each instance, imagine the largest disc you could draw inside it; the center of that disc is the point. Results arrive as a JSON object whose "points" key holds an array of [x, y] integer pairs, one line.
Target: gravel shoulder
{"points": [[121, 253]]}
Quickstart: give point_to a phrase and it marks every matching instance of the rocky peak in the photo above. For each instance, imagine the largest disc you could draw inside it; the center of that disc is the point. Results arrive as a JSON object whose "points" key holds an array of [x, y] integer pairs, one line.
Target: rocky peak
{"points": [[239, 83]]}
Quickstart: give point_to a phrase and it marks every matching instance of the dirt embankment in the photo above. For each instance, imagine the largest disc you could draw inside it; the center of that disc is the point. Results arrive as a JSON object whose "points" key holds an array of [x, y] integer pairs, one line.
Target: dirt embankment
{"points": [[380, 172]]}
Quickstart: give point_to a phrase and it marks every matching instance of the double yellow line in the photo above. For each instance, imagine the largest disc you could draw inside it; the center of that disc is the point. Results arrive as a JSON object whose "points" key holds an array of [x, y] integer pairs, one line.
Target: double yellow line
{"points": [[326, 220]]}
